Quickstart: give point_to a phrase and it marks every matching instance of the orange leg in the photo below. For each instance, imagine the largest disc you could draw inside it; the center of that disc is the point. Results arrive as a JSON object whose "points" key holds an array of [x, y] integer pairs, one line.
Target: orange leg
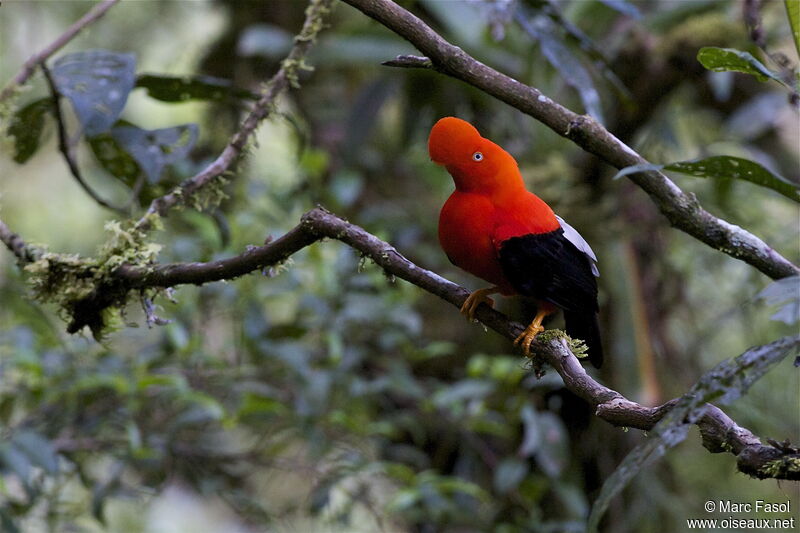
{"points": [[534, 328], [481, 296]]}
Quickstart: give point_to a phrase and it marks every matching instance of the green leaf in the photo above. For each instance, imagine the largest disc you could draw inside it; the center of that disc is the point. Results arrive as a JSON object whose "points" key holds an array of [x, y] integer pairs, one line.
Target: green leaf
{"points": [[97, 82], [727, 59], [259, 405], [533, 433], [451, 485], [155, 149], [113, 382], [724, 167], [793, 12], [114, 159], [167, 381], [266, 40], [185, 88], [786, 293], [461, 391], [201, 408], [16, 461], [404, 499], [509, 474], [552, 453], [26, 127], [724, 383], [38, 449], [13, 459], [626, 8], [729, 167]]}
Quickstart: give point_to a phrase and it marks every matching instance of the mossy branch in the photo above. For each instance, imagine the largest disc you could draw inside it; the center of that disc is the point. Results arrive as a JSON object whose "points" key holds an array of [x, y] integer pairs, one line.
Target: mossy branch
{"points": [[719, 432]]}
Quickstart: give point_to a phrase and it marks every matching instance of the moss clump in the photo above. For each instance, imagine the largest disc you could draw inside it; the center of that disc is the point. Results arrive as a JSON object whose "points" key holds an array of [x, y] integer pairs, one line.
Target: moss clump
{"points": [[785, 467], [84, 288], [210, 195], [576, 346], [292, 68], [61, 278]]}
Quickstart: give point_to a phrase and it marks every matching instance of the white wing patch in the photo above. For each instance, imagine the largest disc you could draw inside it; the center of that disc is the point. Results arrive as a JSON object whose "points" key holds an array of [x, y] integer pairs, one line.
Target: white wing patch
{"points": [[580, 243]]}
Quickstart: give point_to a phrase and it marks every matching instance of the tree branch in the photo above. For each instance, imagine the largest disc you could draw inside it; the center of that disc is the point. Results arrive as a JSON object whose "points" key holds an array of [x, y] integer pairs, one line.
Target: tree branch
{"points": [[15, 243], [718, 431], [29, 67], [286, 76], [681, 209]]}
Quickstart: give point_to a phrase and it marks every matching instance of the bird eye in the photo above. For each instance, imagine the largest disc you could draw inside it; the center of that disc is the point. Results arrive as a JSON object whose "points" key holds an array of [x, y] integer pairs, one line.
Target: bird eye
{"points": [[477, 156]]}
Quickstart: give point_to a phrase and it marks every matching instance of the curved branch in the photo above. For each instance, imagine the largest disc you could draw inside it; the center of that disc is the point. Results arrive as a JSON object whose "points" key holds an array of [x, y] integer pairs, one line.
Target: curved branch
{"points": [[286, 76], [63, 143], [681, 209], [718, 431], [29, 67]]}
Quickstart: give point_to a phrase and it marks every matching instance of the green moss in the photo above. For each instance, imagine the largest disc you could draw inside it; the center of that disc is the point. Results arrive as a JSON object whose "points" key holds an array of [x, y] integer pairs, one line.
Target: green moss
{"points": [[211, 194], [781, 468], [726, 447], [551, 335], [576, 346], [61, 277], [315, 13], [83, 288], [8, 104], [295, 63]]}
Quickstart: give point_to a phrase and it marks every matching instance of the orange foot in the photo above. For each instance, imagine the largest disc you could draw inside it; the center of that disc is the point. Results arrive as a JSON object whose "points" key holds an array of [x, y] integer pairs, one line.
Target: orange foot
{"points": [[481, 296], [534, 328]]}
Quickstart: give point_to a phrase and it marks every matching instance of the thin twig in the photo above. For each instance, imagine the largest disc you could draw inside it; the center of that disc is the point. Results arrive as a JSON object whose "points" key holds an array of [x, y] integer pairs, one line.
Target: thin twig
{"points": [[287, 75], [135, 190], [787, 73], [681, 209], [64, 145], [29, 67]]}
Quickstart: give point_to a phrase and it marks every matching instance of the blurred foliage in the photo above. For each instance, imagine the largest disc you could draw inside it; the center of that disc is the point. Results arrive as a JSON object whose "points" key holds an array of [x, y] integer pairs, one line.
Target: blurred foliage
{"points": [[324, 396]]}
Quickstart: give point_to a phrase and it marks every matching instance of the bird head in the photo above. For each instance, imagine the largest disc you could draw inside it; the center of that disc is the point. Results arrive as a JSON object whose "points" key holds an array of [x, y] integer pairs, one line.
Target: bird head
{"points": [[476, 164]]}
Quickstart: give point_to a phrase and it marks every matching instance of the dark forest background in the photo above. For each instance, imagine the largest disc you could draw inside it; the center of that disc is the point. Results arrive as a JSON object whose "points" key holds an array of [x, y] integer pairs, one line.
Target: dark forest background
{"points": [[327, 396]]}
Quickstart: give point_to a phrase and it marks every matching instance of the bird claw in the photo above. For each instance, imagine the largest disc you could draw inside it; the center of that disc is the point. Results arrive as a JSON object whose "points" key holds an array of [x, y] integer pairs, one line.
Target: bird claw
{"points": [[526, 338], [481, 296]]}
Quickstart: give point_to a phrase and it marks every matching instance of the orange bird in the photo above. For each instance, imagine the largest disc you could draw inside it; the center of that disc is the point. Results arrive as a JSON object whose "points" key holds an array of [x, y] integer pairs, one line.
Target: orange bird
{"points": [[494, 228]]}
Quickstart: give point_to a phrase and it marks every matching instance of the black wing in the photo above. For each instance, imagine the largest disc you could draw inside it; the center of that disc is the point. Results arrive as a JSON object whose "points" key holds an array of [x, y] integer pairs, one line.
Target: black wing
{"points": [[549, 267], [553, 268]]}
